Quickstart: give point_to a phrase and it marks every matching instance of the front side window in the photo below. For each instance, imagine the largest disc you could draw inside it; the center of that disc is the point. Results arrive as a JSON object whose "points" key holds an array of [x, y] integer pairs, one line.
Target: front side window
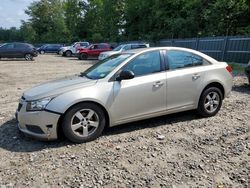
{"points": [[126, 47], [144, 64], [103, 68], [181, 59], [8, 46]]}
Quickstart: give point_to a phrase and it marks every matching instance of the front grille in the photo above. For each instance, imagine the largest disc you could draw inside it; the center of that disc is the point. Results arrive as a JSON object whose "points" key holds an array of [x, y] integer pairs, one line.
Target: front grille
{"points": [[35, 129], [19, 107]]}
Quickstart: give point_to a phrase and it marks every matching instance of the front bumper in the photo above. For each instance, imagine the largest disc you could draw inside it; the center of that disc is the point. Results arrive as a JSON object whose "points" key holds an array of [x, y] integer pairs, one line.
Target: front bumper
{"points": [[38, 124]]}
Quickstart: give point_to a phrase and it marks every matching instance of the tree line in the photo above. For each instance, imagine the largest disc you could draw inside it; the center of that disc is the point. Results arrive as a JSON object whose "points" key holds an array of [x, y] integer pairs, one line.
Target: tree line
{"points": [[64, 21]]}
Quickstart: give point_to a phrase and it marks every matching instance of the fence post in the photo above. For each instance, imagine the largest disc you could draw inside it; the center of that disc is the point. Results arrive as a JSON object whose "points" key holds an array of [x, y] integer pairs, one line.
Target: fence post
{"points": [[224, 49], [197, 43]]}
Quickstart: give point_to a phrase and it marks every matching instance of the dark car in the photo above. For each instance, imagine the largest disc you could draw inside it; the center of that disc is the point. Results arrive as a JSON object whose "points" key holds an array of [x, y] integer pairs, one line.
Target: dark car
{"points": [[18, 50], [50, 48], [93, 50], [247, 70]]}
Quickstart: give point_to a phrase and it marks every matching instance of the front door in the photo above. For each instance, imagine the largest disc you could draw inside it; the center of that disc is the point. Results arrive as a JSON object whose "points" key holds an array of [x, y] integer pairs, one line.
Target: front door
{"points": [[8, 51], [142, 96]]}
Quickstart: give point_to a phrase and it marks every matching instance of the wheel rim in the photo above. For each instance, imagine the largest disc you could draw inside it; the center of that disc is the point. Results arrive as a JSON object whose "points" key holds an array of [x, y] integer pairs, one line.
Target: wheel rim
{"points": [[84, 122], [68, 54], [28, 57], [212, 102], [42, 52]]}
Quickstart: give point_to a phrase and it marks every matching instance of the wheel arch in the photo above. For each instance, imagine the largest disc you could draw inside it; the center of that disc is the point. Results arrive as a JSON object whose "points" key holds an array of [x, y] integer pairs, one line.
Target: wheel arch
{"points": [[59, 124], [214, 84]]}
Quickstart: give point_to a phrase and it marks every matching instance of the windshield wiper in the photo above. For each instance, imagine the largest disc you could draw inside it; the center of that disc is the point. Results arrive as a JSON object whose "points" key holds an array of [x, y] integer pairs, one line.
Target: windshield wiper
{"points": [[83, 74]]}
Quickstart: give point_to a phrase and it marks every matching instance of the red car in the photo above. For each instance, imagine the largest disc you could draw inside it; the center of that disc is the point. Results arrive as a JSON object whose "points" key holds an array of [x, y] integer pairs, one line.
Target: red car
{"points": [[93, 50]]}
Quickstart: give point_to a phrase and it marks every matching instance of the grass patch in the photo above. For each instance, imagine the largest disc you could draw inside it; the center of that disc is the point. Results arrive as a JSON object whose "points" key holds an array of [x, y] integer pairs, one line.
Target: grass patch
{"points": [[238, 68]]}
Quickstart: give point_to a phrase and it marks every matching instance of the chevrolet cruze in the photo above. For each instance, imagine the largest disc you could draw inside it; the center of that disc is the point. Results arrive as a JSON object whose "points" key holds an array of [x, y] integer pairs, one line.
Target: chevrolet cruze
{"points": [[122, 88]]}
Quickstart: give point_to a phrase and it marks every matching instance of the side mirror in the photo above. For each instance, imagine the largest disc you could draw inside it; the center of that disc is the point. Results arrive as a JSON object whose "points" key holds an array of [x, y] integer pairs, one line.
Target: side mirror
{"points": [[125, 75]]}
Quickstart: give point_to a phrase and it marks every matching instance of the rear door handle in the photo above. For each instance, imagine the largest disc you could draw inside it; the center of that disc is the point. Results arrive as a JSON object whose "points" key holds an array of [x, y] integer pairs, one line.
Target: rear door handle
{"points": [[196, 76], [158, 84]]}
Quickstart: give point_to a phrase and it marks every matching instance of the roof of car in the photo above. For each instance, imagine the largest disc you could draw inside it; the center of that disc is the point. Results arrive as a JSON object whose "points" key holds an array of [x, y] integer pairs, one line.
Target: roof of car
{"points": [[139, 50]]}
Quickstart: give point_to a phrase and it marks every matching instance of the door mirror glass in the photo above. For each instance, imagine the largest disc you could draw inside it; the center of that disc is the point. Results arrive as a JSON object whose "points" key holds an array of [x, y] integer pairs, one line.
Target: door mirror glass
{"points": [[125, 75]]}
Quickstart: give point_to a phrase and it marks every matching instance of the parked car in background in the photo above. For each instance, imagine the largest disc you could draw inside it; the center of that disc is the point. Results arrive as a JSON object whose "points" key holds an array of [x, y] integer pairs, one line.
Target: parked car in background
{"points": [[50, 48], [125, 87], [18, 50], [247, 70], [93, 51], [122, 48], [68, 51]]}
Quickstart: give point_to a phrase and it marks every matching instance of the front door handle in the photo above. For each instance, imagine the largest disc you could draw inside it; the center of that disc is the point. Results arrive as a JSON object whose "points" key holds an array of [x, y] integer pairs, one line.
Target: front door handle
{"points": [[196, 76], [158, 84]]}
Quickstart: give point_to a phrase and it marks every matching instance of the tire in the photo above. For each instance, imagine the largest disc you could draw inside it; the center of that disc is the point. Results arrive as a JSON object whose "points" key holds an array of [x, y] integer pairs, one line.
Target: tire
{"points": [[83, 56], [42, 52], [68, 53], [210, 102], [83, 122], [28, 57]]}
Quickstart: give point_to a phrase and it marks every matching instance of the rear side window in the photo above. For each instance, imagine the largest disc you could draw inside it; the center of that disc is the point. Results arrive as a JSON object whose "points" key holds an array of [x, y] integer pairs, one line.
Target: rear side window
{"points": [[144, 64], [20, 46], [102, 46], [135, 46], [181, 59]]}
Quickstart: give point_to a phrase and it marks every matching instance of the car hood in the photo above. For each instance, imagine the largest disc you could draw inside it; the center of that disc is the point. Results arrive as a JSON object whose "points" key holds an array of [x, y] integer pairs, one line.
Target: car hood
{"points": [[65, 48], [109, 53], [54, 88]]}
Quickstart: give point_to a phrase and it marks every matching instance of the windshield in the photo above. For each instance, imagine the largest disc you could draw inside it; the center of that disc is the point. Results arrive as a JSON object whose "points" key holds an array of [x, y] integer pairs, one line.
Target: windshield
{"points": [[118, 48], [103, 68]]}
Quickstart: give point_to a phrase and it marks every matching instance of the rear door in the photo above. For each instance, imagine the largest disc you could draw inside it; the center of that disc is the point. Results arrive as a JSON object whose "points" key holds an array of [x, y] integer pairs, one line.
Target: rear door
{"points": [[19, 50], [185, 75]]}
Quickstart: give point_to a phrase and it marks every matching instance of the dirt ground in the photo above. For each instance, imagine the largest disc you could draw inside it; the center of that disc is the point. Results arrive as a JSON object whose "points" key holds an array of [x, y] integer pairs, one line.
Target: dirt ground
{"points": [[179, 150]]}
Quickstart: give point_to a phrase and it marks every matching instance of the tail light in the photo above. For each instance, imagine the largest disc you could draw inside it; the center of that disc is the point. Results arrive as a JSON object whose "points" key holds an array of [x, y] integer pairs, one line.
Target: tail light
{"points": [[229, 69]]}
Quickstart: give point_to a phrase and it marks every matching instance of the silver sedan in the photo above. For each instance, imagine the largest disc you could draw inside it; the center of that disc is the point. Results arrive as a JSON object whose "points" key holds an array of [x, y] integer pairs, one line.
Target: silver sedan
{"points": [[125, 87]]}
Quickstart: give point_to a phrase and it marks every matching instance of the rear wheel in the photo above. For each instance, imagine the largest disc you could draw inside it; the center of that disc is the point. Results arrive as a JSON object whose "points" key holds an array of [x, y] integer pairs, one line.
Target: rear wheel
{"points": [[28, 57], [210, 102], [83, 56], [68, 53], [84, 122]]}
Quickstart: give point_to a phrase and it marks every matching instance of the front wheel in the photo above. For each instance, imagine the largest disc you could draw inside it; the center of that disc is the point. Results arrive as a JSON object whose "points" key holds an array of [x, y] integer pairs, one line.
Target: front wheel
{"points": [[83, 123], [210, 102], [68, 53], [42, 52], [28, 57], [83, 56]]}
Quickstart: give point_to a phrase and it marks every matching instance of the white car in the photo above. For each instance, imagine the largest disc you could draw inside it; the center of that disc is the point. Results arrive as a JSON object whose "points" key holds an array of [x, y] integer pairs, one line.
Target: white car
{"points": [[68, 51], [122, 48], [126, 87]]}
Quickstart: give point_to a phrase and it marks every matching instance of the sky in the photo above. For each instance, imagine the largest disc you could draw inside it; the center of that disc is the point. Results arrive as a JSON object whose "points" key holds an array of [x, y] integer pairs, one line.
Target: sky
{"points": [[12, 12]]}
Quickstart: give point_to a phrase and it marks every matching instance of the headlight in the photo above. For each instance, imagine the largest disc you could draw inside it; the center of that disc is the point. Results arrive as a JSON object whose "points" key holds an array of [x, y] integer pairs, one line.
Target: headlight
{"points": [[38, 105], [78, 51]]}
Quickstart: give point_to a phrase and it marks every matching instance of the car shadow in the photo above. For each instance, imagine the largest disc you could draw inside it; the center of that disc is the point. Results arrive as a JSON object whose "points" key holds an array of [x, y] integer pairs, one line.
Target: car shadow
{"points": [[21, 59], [15, 141], [244, 88]]}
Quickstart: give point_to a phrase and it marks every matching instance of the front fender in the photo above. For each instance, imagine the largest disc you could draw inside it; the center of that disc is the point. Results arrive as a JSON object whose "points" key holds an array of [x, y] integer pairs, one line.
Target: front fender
{"points": [[99, 93]]}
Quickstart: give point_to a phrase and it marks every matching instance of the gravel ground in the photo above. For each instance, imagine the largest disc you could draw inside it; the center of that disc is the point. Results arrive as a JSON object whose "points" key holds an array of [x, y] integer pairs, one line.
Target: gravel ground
{"points": [[179, 150]]}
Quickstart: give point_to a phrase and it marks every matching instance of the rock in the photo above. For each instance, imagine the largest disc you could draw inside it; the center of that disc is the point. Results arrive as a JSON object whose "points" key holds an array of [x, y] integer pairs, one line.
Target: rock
{"points": [[160, 137]]}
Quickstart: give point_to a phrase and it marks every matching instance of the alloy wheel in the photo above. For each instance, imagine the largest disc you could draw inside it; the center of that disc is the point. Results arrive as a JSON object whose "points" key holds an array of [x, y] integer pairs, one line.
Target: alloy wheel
{"points": [[212, 102], [28, 57], [84, 122]]}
